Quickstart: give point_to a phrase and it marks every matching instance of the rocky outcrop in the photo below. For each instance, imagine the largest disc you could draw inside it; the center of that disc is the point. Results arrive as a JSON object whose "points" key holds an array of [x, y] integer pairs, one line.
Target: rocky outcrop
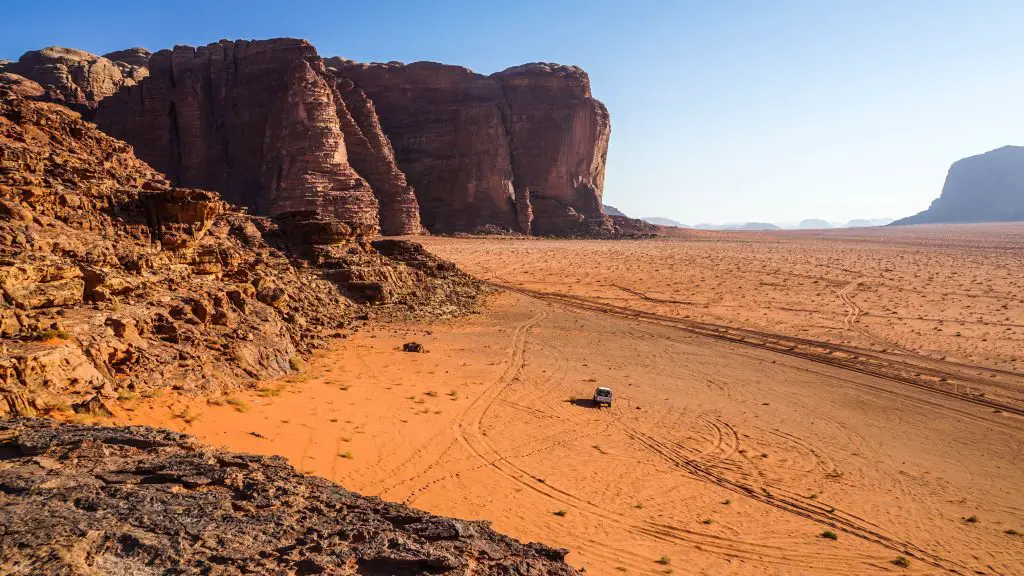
{"points": [[92, 500], [132, 57], [371, 154], [114, 282], [273, 127], [988, 187], [521, 150], [74, 77], [558, 140], [447, 126], [255, 121]]}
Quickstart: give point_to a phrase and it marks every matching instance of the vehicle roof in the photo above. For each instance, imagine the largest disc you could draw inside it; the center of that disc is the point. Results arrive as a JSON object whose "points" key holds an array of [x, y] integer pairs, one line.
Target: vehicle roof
{"points": [[603, 389]]}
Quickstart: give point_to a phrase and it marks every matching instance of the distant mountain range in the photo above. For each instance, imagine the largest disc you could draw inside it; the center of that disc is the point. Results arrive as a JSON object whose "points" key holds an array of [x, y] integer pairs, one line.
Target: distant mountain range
{"points": [[988, 187], [808, 224]]}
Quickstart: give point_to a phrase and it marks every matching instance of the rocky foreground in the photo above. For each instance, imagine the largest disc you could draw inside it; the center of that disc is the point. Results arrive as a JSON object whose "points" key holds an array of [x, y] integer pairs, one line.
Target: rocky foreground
{"points": [[82, 500]]}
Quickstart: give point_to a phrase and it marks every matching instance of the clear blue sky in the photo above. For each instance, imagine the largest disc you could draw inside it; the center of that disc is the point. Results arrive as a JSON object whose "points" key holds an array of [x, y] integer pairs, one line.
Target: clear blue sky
{"points": [[769, 110]]}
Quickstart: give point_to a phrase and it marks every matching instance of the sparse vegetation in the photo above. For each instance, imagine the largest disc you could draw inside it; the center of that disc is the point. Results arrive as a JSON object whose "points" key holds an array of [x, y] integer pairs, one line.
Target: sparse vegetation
{"points": [[238, 403], [44, 335], [125, 395], [296, 363], [270, 391], [664, 560], [560, 512], [707, 521], [431, 393], [152, 393], [215, 401], [902, 562], [638, 505], [1012, 532], [972, 519], [346, 455], [188, 415], [829, 535], [727, 502]]}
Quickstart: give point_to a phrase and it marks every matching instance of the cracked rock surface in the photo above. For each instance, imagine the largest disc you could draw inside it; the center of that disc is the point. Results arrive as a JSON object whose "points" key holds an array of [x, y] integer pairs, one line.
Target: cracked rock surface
{"points": [[87, 500]]}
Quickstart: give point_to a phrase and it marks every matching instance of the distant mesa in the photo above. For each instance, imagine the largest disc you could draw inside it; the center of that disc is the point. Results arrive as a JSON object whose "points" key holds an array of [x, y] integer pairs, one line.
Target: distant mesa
{"points": [[744, 226], [612, 210], [659, 221], [813, 224], [988, 187], [867, 222]]}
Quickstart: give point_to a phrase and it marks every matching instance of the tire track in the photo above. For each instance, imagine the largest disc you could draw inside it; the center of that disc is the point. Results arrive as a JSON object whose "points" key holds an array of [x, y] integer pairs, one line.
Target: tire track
{"points": [[943, 382]]}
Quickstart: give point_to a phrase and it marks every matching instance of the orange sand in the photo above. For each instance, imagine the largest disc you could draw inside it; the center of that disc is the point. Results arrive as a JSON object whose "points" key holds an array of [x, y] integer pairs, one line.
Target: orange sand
{"points": [[825, 388]]}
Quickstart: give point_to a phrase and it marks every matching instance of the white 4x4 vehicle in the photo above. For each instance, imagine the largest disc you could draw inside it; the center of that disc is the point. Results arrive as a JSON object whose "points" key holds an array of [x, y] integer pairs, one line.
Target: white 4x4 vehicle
{"points": [[603, 396]]}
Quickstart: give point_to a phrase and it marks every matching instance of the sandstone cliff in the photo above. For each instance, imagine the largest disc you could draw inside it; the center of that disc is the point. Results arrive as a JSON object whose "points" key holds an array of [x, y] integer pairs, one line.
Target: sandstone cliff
{"points": [[381, 146], [988, 187], [116, 283], [522, 149], [97, 500], [76, 78], [260, 122]]}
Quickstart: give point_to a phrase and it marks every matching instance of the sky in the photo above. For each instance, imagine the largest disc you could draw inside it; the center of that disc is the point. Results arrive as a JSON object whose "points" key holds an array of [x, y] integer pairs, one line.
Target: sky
{"points": [[722, 111]]}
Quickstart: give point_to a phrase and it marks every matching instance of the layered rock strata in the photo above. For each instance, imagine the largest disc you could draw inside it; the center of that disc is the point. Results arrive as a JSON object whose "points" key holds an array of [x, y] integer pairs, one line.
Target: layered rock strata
{"points": [[256, 121], [76, 78]]}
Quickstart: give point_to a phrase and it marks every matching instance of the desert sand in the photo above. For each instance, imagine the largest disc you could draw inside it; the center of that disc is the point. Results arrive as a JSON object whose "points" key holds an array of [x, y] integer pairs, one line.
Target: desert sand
{"points": [[771, 389]]}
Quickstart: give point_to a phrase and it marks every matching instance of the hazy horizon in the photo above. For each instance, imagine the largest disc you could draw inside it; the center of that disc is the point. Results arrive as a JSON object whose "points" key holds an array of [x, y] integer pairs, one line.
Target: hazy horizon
{"points": [[735, 112]]}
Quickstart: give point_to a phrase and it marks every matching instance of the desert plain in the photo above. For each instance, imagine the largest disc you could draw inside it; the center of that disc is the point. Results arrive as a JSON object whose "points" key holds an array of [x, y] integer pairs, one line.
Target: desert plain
{"points": [[817, 402]]}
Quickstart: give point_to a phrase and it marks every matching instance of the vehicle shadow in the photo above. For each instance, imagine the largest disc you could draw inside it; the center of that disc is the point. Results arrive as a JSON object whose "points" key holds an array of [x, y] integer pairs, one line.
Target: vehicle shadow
{"points": [[583, 402]]}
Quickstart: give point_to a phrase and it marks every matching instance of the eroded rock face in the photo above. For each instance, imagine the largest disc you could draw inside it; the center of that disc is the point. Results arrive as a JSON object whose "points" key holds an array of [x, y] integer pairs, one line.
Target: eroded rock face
{"points": [[265, 125], [558, 138], [75, 77], [447, 126], [91, 500], [988, 187], [524, 149], [134, 57], [272, 126], [113, 281]]}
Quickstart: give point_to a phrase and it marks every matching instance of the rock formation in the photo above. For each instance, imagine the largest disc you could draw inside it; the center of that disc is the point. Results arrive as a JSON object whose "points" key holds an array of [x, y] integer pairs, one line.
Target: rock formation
{"points": [[96, 500], [114, 282], [448, 130], [132, 57], [558, 139], [988, 187], [522, 149], [380, 146], [256, 121], [74, 77]]}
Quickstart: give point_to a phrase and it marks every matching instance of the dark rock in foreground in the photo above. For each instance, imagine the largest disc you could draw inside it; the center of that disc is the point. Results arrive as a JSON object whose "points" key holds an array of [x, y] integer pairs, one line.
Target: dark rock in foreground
{"points": [[79, 500], [988, 187]]}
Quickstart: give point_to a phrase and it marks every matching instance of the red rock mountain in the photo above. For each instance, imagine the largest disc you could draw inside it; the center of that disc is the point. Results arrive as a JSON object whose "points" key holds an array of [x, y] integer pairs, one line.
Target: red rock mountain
{"points": [[272, 126]]}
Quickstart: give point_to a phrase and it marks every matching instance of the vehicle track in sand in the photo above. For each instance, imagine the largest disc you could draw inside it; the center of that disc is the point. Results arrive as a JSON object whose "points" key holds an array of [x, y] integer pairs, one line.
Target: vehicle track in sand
{"points": [[948, 380]]}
